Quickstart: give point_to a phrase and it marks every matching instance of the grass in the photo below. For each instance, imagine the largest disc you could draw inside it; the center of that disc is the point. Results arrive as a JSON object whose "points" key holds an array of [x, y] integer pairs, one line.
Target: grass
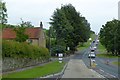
{"points": [[105, 55], [101, 48], [50, 68], [103, 52], [86, 44], [116, 63]]}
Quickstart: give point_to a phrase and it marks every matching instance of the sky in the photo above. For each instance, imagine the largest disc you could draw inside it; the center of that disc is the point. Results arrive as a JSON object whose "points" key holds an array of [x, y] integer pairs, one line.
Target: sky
{"points": [[97, 12]]}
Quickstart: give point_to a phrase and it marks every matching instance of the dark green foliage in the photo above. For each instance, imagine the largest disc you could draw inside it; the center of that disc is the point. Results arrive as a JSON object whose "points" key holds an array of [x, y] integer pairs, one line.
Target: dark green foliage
{"points": [[57, 49], [3, 12], [15, 49], [110, 36], [26, 24], [20, 34], [69, 27]]}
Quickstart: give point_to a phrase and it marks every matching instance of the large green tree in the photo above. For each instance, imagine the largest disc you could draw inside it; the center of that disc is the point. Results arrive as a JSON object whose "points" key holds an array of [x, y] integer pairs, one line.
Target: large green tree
{"points": [[69, 26], [110, 36]]}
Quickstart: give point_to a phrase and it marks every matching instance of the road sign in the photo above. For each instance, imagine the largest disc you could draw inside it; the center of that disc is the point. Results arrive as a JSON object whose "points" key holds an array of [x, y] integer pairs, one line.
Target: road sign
{"points": [[60, 55]]}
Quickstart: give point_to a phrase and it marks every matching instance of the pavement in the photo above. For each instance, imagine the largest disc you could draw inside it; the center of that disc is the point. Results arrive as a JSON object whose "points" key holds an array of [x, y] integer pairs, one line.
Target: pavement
{"points": [[77, 69]]}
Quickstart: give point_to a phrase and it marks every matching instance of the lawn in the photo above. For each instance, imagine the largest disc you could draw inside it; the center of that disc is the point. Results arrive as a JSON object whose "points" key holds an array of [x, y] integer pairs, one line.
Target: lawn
{"points": [[116, 63], [50, 68]]}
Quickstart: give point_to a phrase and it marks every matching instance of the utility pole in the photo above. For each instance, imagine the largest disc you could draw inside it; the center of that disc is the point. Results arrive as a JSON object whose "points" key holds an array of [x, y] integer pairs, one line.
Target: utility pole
{"points": [[49, 43], [90, 59]]}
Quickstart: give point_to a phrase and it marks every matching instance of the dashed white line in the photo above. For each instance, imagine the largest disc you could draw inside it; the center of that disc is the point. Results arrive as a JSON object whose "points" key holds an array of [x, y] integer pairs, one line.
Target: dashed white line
{"points": [[107, 73], [111, 75], [101, 70]]}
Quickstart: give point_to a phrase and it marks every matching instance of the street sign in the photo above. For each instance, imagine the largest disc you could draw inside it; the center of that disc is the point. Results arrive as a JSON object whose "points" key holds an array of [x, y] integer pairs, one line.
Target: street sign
{"points": [[60, 55]]}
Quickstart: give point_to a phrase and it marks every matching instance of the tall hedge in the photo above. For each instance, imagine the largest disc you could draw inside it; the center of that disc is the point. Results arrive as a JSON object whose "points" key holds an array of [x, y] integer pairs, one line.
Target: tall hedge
{"points": [[15, 49]]}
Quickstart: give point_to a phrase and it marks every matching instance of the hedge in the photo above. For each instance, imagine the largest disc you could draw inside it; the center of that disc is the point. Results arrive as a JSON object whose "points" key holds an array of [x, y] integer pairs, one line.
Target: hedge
{"points": [[15, 49]]}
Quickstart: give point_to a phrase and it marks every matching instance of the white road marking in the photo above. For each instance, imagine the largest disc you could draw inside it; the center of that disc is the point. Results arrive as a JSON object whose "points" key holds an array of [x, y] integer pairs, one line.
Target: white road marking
{"points": [[111, 75], [101, 70], [107, 73]]}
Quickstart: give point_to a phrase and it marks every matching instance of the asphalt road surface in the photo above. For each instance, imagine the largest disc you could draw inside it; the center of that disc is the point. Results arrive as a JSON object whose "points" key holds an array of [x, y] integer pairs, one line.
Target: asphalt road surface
{"points": [[108, 71]]}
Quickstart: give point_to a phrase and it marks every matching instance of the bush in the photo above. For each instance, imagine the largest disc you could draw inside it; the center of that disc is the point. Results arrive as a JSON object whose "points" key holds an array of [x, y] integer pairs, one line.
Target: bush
{"points": [[15, 49], [57, 49]]}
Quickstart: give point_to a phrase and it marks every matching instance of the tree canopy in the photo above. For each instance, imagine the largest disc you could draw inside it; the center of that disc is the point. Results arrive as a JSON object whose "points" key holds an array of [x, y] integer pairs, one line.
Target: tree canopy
{"points": [[110, 36], [69, 26], [3, 12]]}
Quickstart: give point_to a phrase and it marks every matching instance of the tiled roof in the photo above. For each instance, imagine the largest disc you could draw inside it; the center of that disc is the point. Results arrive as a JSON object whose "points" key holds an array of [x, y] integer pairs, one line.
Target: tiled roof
{"points": [[9, 33]]}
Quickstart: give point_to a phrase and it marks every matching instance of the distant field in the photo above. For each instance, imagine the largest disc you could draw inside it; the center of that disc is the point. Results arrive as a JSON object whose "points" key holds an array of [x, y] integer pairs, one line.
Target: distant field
{"points": [[50, 68]]}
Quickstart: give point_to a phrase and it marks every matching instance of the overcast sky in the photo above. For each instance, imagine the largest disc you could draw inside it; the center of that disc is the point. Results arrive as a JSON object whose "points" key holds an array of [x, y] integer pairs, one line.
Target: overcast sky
{"points": [[97, 12]]}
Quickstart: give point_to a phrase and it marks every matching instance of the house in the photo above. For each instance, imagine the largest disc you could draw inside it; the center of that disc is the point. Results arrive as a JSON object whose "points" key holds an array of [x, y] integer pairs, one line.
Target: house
{"points": [[36, 35]]}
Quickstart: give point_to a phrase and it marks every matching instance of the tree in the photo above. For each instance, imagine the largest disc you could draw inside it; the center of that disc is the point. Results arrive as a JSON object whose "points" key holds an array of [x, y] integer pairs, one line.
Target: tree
{"points": [[3, 13], [26, 23], [70, 27], [20, 33], [110, 36]]}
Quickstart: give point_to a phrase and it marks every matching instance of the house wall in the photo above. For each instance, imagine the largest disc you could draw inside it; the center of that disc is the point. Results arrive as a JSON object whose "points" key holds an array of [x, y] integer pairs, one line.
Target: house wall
{"points": [[35, 42], [42, 40]]}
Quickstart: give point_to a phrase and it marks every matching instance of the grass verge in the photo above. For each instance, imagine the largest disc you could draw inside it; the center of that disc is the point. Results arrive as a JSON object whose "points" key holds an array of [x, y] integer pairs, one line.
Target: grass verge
{"points": [[86, 44], [50, 68], [105, 55], [103, 52], [116, 63]]}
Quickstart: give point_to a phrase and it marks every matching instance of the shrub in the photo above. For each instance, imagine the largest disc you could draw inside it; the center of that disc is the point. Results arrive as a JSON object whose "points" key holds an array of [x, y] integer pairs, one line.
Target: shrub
{"points": [[57, 49], [15, 49]]}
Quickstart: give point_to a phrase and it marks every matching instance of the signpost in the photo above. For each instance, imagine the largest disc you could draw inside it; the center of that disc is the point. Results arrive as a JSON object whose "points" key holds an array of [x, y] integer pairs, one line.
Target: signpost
{"points": [[60, 55]]}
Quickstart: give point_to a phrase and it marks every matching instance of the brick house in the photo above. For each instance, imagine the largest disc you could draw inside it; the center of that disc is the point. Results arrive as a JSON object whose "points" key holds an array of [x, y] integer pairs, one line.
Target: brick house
{"points": [[36, 35]]}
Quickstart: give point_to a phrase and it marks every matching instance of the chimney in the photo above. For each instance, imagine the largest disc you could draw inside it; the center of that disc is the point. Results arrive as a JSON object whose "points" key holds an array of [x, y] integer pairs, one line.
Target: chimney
{"points": [[41, 25]]}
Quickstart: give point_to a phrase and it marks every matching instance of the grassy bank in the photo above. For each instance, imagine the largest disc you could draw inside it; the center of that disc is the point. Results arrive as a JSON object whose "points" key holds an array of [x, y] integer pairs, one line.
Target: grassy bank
{"points": [[116, 63], [104, 53], [50, 68], [86, 44], [107, 55], [101, 48]]}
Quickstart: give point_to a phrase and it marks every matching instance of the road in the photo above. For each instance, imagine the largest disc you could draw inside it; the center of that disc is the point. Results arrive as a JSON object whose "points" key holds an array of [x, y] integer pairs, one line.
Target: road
{"points": [[108, 71]]}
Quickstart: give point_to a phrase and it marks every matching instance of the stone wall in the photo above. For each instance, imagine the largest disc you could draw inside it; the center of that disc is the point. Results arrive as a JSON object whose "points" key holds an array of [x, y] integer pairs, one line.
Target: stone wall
{"points": [[9, 64]]}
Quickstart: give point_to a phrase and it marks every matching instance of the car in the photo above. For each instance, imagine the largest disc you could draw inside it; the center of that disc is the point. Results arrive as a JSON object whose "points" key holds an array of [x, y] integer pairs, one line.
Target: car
{"points": [[92, 49], [92, 60], [92, 52], [91, 55], [95, 47], [94, 41]]}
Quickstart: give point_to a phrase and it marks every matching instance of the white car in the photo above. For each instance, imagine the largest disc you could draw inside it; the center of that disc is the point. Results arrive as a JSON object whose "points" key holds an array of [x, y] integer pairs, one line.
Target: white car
{"points": [[95, 47], [91, 55]]}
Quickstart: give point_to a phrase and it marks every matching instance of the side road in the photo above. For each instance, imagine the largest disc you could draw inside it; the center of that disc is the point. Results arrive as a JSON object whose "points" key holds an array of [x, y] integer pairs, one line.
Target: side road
{"points": [[77, 69]]}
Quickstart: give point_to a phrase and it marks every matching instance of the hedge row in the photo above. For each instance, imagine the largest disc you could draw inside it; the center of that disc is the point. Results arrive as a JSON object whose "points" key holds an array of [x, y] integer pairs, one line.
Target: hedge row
{"points": [[15, 49]]}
